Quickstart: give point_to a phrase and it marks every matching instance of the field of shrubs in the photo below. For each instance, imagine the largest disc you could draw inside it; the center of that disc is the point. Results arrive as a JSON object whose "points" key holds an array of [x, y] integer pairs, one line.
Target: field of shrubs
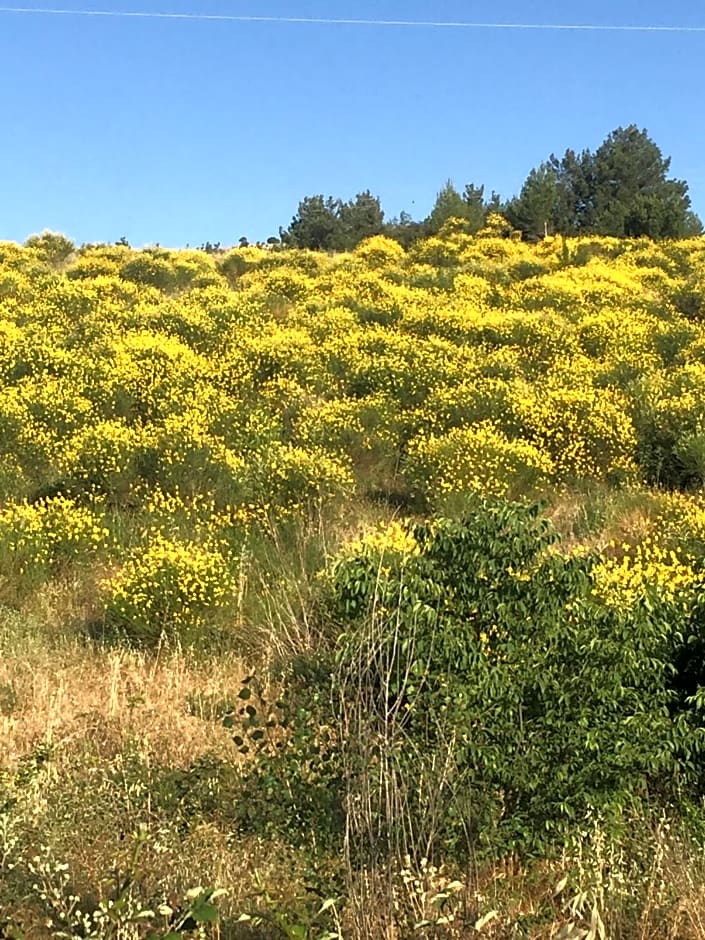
{"points": [[353, 595]]}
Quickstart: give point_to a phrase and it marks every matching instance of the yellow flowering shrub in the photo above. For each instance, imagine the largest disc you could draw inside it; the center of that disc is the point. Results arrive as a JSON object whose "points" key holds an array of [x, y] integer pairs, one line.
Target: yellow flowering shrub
{"points": [[387, 542], [15, 288], [151, 267], [587, 432], [287, 352], [496, 226], [574, 291], [24, 353], [475, 289], [153, 375], [105, 455], [669, 413], [38, 538], [27, 450], [208, 394], [460, 321], [185, 457], [287, 282], [479, 459], [184, 322], [193, 269], [56, 404], [52, 247], [380, 252], [372, 297], [476, 399], [14, 417], [93, 265], [679, 524], [174, 589], [624, 580], [290, 478], [353, 426], [17, 258], [437, 252]]}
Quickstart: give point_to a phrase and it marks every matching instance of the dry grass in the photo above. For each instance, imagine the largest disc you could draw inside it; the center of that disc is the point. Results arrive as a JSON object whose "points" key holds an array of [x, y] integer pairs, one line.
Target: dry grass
{"points": [[602, 515], [95, 706], [598, 893], [123, 732], [67, 695]]}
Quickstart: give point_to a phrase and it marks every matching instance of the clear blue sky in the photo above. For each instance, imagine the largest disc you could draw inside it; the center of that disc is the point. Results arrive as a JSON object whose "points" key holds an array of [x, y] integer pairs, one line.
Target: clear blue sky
{"points": [[178, 131]]}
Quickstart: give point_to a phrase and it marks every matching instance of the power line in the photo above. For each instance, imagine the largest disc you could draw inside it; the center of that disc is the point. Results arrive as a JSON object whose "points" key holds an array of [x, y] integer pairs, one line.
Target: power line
{"points": [[341, 21]]}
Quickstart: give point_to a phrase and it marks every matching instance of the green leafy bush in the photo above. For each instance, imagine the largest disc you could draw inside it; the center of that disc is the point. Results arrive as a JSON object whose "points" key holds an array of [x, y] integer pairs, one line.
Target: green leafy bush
{"points": [[293, 790], [477, 647]]}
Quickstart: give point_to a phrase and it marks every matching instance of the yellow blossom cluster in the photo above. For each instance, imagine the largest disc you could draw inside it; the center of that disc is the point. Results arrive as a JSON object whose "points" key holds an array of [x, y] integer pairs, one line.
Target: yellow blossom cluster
{"points": [[174, 588], [386, 540], [35, 538], [627, 577], [477, 460]]}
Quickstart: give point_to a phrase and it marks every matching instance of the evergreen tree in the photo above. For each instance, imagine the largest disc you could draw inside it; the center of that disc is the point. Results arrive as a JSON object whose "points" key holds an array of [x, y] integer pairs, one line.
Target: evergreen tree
{"points": [[535, 210], [404, 229], [360, 218], [328, 224], [575, 210], [475, 208], [316, 225], [622, 189], [633, 196], [449, 204], [469, 206]]}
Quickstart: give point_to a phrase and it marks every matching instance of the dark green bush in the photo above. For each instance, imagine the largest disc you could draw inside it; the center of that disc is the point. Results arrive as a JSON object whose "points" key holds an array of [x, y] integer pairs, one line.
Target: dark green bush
{"points": [[483, 662]]}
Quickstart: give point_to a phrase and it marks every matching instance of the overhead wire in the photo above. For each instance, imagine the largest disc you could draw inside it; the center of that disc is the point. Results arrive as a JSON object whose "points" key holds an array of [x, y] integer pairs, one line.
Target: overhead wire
{"points": [[349, 21]]}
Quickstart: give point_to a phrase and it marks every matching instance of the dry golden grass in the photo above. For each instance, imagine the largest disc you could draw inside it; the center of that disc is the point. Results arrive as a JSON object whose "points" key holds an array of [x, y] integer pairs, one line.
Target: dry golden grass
{"points": [[116, 723], [603, 515], [597, 894], [94, 706], [71, 693]]}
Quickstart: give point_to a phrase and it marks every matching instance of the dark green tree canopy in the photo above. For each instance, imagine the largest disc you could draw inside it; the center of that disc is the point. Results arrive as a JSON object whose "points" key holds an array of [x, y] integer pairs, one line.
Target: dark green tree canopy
{"points": [[469, 206], [449, 204], [360, 218], [328, 224], [622, 190], [633, 195], [404, 229], [316, 225]]}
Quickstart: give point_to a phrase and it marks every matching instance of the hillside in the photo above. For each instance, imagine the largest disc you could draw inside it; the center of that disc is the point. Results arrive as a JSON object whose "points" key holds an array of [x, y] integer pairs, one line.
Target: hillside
{"points": [[271, 519]]}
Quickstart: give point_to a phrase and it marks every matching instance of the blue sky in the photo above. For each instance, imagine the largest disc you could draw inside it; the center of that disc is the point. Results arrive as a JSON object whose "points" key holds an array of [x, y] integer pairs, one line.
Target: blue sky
{"points": [[181, 131]]}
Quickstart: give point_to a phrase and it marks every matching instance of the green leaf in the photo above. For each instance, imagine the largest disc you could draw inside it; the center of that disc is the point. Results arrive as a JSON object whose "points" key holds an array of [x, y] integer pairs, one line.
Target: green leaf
{"points": [[203, 912]]}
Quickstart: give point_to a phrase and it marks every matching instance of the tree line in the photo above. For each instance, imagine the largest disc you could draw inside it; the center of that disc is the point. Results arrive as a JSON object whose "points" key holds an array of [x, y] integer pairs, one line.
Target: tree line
{"points": [[621, 189]]}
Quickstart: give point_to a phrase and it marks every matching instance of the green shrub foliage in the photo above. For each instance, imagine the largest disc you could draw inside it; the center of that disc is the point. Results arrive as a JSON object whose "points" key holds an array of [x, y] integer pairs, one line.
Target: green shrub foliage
{"points": [[485, 663]]}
